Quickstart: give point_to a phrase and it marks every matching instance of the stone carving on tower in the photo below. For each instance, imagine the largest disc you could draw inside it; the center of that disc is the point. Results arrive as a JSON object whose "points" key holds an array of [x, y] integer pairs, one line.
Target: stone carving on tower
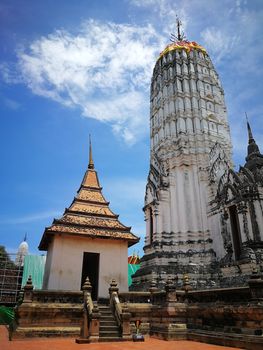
{"points": [[240, 197], [190, 150]]}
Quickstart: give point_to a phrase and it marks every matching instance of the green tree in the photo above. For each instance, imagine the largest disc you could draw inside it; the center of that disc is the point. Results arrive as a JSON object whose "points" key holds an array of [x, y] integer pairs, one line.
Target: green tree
{"points": [[5, 260]]}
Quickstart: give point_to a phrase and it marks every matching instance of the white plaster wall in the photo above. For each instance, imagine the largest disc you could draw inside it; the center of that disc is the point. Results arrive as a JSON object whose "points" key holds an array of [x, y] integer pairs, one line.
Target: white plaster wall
{"points": [[186, 203], [64, 266]]}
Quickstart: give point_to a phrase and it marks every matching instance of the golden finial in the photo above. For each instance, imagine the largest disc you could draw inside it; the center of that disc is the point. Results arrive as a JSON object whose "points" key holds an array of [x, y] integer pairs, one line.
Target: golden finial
{"points": [[91, 163]]}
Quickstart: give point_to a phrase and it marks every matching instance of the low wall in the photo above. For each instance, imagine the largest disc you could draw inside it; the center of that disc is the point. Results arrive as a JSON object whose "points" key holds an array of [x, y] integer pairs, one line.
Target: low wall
{"points": [[228, 316], [49, 313]]}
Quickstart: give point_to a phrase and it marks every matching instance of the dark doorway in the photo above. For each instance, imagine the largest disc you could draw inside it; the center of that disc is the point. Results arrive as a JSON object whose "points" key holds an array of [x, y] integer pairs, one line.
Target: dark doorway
{"points": [[235, 231], [90, 268]]}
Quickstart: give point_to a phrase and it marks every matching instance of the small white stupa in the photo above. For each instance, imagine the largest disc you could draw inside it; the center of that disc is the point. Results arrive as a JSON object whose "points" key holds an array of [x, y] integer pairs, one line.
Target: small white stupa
{"points": [[22, 252]]}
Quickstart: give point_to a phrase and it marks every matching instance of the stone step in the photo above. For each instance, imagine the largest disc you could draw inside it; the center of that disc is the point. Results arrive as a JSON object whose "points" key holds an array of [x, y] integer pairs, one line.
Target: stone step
{"points": [[108, 318], [105, 312], [109, 329], [107, 323], [110, 339], [109, 335]]}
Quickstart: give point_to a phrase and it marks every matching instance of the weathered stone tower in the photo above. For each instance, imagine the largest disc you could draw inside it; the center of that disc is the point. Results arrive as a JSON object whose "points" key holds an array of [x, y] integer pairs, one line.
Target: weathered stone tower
{"points": [[239, 201], [190, 149]]}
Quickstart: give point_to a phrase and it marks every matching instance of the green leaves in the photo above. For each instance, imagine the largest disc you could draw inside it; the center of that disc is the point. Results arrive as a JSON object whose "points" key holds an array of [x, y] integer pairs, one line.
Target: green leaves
{"points": [[7, 315]]}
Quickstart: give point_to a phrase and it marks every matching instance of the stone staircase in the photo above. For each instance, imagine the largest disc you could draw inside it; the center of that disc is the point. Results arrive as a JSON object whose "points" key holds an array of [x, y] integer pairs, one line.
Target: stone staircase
{"points": [[109, 329]]}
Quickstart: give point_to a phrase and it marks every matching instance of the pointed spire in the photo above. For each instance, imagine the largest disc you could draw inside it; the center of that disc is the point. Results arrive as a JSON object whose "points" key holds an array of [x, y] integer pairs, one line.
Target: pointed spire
{"points": [[91, 163], [254, 158], [180, 34], [252, 148], [25, 238], [179, 23], [250, 135]]}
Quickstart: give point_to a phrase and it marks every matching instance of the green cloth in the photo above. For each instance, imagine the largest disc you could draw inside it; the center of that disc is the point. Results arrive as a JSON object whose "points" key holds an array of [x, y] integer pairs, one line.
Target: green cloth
{"points": [[132, 268], [34, 265], [7, 315]]}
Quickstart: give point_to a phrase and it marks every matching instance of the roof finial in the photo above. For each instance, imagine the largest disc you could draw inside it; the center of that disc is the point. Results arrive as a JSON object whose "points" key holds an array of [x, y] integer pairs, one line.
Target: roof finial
{"points": [[179, 23], [254, 157], [180, 34], [25, 237], [91, 163], [250, 135]]}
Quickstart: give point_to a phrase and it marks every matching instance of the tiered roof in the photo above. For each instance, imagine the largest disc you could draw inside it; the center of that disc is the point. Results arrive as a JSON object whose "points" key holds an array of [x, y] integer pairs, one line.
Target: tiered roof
{"points": [[89, 215]]}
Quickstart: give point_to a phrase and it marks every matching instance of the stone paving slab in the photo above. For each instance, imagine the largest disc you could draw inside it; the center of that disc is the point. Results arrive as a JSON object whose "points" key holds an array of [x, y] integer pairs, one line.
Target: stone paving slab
{"points": [[69, 344]]}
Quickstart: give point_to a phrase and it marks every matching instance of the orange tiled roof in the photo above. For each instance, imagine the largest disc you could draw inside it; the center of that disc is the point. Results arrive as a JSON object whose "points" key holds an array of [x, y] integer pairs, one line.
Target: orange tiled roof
{"points": [[89, 215], [133, 260]]}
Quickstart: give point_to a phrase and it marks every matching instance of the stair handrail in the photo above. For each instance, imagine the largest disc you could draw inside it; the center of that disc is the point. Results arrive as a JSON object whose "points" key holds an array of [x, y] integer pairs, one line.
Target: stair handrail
{"points": [[117, 308], [91, 315], [89, 304], [121, 314], [115, 304]]}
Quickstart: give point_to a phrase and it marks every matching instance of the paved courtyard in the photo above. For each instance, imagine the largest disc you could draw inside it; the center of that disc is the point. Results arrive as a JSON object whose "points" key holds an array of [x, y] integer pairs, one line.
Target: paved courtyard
{"points": [[69, 344]]}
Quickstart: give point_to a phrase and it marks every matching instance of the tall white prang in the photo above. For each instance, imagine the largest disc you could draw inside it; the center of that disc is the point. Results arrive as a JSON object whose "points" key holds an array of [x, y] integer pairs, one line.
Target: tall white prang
{"points": [[190, 150]]}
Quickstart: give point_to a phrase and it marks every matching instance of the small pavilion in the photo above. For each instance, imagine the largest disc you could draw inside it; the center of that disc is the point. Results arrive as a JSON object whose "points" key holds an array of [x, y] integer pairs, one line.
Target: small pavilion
{"points": [[88, 240]]}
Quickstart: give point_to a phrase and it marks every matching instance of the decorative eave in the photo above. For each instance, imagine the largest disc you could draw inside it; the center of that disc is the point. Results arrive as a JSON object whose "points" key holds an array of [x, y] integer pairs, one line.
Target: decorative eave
{"points": [[75, 212], [89, 215], [79, 200], [101, 234], [82, 221]]}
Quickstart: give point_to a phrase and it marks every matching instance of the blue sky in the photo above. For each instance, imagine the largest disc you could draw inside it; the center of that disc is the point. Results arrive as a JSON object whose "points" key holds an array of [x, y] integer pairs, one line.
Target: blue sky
{"points": [[68, 69]]}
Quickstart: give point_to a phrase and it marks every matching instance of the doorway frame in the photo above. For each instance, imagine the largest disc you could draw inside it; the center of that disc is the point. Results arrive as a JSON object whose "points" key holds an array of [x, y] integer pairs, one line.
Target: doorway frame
{"points": [[88, 261]]}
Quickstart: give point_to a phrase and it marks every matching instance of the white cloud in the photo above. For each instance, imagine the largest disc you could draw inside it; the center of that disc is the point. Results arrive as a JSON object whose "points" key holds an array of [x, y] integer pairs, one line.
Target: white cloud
{"points": [[218, 43], [104, 69]]}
